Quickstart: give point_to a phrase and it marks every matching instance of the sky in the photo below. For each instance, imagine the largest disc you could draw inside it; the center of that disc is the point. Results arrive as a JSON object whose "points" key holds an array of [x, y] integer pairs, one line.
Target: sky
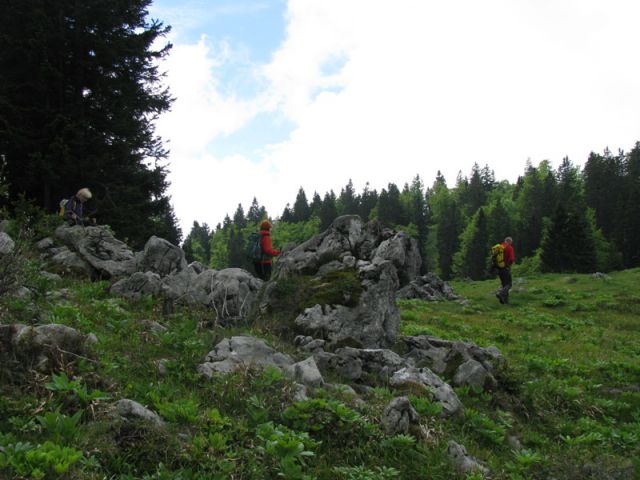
{"points": [[274, 95]]}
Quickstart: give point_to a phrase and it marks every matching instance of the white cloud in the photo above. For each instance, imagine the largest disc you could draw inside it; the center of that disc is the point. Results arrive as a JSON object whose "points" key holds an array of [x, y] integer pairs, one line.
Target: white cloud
{"points": [[420, 86]]}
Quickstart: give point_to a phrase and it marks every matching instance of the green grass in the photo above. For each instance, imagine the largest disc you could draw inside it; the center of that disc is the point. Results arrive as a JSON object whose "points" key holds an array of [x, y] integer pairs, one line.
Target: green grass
{"points": [[572, 388], [569, 396]]}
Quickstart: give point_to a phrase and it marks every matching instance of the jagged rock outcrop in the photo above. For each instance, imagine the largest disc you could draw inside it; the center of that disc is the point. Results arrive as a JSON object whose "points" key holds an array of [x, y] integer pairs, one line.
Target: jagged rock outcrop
{"points": [[423, 378], [96, 245], [428, 287], [239, 352], [356, 364], [137, 285], [399, 416], [43, 347], [465, 362], [161, 257], [462, 461], [382, 260]]}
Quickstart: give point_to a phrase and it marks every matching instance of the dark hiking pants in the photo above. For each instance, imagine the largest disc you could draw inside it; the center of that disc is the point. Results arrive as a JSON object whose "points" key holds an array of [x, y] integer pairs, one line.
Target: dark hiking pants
{"points": [[505, 280]]}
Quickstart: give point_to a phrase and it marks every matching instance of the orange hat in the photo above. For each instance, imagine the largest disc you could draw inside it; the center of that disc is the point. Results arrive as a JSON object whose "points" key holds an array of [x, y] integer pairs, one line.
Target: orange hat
{"points": [[265, 225]]}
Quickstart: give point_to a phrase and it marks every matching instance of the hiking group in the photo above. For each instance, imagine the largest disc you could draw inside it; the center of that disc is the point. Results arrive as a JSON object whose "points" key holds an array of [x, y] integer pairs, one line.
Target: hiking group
{"points": [[503, 256]]}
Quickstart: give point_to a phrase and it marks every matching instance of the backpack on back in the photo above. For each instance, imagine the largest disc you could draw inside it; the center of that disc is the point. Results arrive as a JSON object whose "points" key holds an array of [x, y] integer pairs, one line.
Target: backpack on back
{"points": [[253, 249], [497, 256]]}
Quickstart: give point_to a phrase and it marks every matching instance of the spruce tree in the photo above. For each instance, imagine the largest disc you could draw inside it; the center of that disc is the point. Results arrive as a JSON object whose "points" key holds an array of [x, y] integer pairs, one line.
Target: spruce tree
{"points": [[80, 91], [328, 210], [347, 203], [471, 261], [301, 210]]}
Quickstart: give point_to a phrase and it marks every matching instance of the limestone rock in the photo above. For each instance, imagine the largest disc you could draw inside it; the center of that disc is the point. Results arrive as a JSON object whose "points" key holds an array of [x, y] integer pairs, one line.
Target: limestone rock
{"points": [[427, 287], [162, 257], [44, 346], [97, 246], [398, 416], [130, 409], [462, 461], [381, 259], [138, 285], [425, 378], [306, 372], [7, 245], [241, 352]]}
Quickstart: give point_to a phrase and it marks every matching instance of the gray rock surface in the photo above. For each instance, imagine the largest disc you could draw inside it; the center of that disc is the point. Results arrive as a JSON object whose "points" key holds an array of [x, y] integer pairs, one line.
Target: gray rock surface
{"points": [[306, 372], [356, 364], [241, 352], [423, 377], [130, 410], [462, 461], [98, 247], [7, 245], [427, 287], [446, 357], [161, 257], [399, 416], [44, 346], [382, 260], [138, 285]]}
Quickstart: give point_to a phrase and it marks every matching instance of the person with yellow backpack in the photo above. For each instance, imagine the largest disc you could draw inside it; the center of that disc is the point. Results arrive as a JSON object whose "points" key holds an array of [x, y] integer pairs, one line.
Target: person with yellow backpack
{"points": [[503, 256]]}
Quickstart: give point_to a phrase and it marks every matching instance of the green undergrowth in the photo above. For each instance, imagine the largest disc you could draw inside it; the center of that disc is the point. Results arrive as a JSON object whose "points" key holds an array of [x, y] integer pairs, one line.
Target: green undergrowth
{"points": [[567, 406], [571, 393], [289, 297]]}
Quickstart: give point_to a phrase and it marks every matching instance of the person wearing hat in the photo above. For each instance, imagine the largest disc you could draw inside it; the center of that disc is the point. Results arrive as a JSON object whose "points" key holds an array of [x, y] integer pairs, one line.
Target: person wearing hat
{"points": [[73, 208], [263, 267]]}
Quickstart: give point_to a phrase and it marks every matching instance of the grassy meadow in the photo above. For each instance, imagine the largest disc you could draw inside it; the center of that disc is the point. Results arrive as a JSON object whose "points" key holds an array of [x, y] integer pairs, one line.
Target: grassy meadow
{"points": [[568, 406]]}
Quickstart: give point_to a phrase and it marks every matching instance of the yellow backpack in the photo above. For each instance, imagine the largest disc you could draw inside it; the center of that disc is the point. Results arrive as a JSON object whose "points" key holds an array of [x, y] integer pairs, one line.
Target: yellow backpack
{"points": [[497, 256]]}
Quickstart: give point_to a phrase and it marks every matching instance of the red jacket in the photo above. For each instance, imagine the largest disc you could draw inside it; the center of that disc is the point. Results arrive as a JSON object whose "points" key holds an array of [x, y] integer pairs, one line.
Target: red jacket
{"points": [[267, 248], [509, 254]]}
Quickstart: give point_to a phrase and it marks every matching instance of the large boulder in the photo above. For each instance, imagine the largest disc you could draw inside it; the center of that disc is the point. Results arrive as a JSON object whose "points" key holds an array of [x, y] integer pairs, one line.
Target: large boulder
{"points": [[399, 416], [428, 287], [97, 246], [162, 257], [422, 378], [241, 352], [465, 362], [44, 347], [7, 244], [355, 364], [138, 285], [381, 260], [231, 292]]}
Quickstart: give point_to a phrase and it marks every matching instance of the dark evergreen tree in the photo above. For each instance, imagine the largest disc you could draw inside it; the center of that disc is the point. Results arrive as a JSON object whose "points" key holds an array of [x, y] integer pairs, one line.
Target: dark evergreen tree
{"points": [[348, 203], [390, 211], [498, 223], [237, 258], [471, 261], [255, 214], [301, 210], [630, 218], [328, 211], [604, 192], [418, 215], [368, 201], [287, 215], [80, 92], [450, 224], [316, 204], [197, 245], [239, 220], [568, 243]]}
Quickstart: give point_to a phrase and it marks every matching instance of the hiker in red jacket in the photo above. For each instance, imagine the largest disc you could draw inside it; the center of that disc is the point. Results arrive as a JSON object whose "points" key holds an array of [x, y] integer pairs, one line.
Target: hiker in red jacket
{"points": [[505, 272], [263, 267]]}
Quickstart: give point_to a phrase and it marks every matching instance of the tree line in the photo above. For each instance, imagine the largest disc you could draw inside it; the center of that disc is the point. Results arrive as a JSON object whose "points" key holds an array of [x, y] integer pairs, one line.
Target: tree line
{"points": [[566, 219], [80, 89]]}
